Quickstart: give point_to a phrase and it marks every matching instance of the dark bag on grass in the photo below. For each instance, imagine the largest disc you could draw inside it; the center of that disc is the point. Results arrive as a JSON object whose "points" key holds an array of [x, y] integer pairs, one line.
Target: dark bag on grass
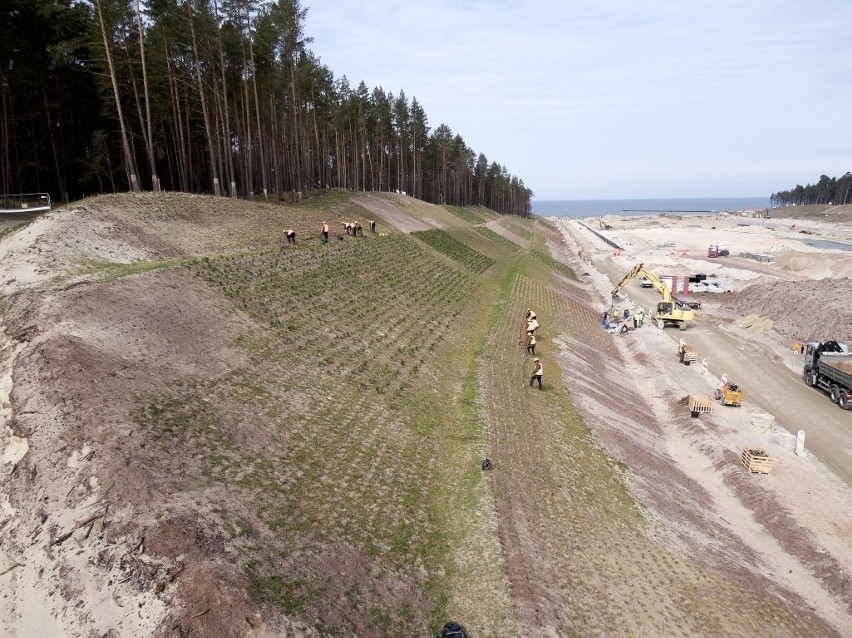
{"points": [[452, 630]]}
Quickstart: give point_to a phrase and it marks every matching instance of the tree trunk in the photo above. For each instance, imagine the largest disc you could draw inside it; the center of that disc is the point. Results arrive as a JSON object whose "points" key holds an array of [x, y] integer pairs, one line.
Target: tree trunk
{"points": [[5, 138], [277, 145], [129, 163], [295, 159], [149, 142], [208, 128], [261, 145], [226, 117], [247, 148], [180, 141]]}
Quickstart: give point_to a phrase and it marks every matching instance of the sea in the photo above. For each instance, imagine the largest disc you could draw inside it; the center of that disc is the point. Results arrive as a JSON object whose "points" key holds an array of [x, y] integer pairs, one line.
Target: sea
{"points": [[578, 208]]}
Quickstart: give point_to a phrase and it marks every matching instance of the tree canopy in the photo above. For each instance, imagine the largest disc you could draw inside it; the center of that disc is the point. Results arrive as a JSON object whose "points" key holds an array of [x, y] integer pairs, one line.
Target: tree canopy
{"points": [[828, 190], [212, 96]]}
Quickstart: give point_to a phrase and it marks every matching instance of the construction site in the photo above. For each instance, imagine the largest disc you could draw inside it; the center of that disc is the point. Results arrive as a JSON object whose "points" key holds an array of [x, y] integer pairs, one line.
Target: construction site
{"points": [[209, 428]]}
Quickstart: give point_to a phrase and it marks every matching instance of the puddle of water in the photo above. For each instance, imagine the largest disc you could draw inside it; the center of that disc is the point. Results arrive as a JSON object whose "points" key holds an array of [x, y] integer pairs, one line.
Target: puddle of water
{"points": [[825, 244]]}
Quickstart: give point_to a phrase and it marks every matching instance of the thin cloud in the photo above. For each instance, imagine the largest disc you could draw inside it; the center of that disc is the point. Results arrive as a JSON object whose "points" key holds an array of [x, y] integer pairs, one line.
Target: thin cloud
{"points": [[706, 95]]}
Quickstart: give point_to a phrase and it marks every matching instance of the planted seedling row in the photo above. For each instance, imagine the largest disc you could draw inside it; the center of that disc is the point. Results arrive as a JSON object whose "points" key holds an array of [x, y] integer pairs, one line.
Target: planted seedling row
{"points": [[403, 283], [505, 245], [445, 243]]}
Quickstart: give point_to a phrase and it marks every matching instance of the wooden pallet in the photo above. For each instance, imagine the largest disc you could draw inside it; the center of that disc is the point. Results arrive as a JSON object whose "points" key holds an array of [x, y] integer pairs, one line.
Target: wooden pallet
{"points": [[700, 403], [686, 354], [756, 461]]}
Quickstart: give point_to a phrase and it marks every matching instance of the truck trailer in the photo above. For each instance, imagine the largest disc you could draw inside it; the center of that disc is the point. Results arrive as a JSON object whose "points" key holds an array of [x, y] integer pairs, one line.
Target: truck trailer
{"points": [[828, 366], [718, 250]]}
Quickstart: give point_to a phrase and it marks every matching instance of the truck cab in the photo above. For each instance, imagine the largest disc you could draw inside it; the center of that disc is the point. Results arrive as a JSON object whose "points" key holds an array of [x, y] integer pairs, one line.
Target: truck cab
{"points": [[718, 250], [828, 366]]}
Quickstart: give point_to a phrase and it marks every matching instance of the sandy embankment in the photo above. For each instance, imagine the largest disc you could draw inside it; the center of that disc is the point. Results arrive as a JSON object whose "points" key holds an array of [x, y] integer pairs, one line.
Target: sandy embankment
{"points": [[12, 448], [52, 541]]}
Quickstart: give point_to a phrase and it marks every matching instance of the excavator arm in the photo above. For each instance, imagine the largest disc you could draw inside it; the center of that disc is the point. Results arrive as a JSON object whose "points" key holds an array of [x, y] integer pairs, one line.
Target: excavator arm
{"points": [[669, 309], [639, 269]]}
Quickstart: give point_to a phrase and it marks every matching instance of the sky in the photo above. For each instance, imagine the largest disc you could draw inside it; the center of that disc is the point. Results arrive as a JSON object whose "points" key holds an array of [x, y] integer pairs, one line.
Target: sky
{"points": [[611, 99]]}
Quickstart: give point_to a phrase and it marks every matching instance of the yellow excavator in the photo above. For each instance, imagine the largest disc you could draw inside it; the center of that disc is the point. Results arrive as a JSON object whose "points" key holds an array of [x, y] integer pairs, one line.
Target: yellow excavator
{"points": [[670, 309]]}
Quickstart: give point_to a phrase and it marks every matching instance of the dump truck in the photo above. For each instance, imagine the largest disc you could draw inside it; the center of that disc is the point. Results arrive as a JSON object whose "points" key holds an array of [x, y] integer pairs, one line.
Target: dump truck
{"points": [[828, 366], [718, 250]]}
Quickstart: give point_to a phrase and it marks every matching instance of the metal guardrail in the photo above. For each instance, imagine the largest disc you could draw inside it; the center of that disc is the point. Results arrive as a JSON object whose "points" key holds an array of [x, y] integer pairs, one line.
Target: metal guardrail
{"points": [[600, 236], [25, 203]]}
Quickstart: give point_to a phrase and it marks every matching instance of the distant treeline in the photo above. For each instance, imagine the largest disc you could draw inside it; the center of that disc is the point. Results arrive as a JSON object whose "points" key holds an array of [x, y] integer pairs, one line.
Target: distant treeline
{"points": [[828, 190], [214, 96]]}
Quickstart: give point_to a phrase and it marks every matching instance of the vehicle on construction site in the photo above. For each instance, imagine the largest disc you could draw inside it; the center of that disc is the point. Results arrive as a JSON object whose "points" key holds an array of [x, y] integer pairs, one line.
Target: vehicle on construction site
{"points": [[670, 310], [718, 250], [828, 366], [729, 394], [604, 226]]}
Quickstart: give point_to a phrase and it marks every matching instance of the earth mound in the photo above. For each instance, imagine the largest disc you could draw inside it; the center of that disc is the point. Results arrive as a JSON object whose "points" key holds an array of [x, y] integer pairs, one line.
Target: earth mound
{"points": [[811, 310]]}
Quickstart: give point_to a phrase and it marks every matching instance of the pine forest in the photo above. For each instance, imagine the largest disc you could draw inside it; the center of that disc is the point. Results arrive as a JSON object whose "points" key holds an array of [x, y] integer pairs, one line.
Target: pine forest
{"points": [[212, 96]]}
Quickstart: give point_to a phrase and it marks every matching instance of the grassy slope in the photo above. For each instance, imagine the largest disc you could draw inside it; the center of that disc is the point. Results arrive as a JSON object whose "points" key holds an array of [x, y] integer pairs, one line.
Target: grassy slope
{"points": [[343, 463]]}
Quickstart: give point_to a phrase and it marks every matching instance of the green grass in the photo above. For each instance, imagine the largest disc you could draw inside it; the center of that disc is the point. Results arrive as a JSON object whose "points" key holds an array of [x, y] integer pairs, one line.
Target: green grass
{"points": [[327, 400], [551, 263], [504, 244], [445, 243], [9, 223], [9, 229], [111, 270], [466, 214], [515, 225], [326, 199], [274, 589], [479, 589]]}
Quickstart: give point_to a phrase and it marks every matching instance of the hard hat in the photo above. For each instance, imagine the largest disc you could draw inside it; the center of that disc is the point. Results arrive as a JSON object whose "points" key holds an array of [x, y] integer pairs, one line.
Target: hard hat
{"points": [[536, 359]]}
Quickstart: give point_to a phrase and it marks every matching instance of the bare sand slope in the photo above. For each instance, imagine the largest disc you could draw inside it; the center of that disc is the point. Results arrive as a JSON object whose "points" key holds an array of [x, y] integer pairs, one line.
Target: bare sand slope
{"points": [[391, 214], [504, 232]]}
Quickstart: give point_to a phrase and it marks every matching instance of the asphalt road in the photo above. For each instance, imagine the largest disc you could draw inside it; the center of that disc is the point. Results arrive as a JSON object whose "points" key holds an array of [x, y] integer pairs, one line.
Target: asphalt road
{"points": [[766, 382]]}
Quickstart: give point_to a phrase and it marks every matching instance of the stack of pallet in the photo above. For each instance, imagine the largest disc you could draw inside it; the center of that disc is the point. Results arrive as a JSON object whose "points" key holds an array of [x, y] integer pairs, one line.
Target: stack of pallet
{"points": [[699, 403], [685, 353], [756, 461]]}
